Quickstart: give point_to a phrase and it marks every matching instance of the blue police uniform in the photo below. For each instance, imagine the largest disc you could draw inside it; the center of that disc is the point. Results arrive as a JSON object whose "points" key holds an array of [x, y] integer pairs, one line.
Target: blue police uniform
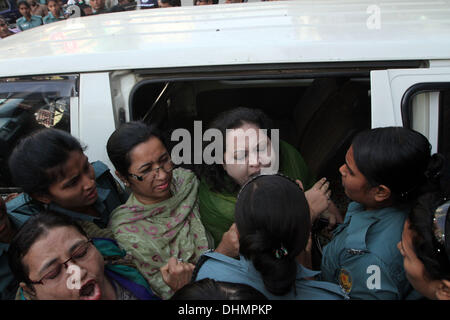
{"points": [[51, 18], [8, 284], [23, 24], [222, 268], [363, 257], [110, 196]]}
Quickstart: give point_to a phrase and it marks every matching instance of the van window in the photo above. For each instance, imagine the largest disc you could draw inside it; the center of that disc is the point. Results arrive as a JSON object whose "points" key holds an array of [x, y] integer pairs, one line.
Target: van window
{"points": [[429, 113], [30, 104], [318, 116], [3, 5]]}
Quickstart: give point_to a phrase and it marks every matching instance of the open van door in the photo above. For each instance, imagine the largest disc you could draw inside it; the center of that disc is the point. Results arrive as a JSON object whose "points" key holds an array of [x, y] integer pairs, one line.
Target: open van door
{"points": [[414, 98]]}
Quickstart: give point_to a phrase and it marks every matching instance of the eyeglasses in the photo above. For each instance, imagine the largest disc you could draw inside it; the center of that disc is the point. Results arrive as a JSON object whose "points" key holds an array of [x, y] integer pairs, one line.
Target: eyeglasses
{"points": [[81, 253], [165, 164]]}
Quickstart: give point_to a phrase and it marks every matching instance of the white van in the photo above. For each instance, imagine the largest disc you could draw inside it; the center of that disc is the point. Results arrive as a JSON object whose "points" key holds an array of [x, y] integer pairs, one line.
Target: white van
{"points": [[322, 69]]}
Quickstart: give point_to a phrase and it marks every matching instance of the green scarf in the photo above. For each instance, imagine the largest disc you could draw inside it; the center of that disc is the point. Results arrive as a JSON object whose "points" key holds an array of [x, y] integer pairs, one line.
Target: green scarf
{"points": [[217, 209], [152, 234]]}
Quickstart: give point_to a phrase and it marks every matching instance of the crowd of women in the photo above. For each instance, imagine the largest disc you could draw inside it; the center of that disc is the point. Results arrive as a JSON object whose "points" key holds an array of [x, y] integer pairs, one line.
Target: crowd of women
{"points": [[225, 231]]}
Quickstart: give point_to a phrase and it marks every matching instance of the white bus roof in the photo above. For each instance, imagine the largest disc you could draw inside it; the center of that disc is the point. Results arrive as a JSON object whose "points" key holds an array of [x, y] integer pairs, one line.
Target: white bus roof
{"points": [[292, 31]]}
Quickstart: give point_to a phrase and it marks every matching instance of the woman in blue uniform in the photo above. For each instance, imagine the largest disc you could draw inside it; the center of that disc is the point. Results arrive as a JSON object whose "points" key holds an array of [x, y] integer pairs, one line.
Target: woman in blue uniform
{"points": [[385, 170], [55, 174], [273, 225]]}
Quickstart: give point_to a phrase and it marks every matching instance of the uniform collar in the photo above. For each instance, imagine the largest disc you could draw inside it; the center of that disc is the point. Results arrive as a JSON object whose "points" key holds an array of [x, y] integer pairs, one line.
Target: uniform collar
{"points": [[53, 17], [247, 266], [358, 208]]}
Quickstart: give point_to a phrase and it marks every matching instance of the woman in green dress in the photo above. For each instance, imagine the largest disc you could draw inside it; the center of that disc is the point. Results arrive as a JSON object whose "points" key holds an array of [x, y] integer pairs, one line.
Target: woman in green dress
{"points": [[247, 158]]}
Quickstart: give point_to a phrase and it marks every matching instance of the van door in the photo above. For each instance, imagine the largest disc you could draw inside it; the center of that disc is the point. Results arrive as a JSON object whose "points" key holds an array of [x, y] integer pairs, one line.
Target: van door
{"points": [[95, 115], [414, 98]]}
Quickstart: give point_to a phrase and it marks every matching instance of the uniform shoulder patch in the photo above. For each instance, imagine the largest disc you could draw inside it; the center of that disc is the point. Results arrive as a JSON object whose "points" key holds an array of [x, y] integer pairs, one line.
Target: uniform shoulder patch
{"points": [[345, 281]]}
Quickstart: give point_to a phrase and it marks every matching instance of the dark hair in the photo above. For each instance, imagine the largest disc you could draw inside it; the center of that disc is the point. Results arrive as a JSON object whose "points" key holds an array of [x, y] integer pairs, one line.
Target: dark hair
{"points": [[173, 3], [398, 158], [214, 174], [32, 230], [209, 289], [24, 3], [38, 160], [125, 138], [271, 214], [434, 255], [56, 1]]}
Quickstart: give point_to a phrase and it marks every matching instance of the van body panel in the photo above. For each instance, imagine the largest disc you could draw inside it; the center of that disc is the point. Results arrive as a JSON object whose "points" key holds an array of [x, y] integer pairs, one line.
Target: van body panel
{"points": [[388, 88], [326, 48], [96, 117], [251, 33]]}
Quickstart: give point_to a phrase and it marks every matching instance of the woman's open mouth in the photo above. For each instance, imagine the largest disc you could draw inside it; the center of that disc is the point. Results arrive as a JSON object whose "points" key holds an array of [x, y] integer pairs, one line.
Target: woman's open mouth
{"points": [[90, 291]]}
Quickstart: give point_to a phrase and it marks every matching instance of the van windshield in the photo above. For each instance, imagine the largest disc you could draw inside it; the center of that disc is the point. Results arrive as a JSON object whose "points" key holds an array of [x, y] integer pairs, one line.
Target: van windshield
{"points": [[30, 104]]}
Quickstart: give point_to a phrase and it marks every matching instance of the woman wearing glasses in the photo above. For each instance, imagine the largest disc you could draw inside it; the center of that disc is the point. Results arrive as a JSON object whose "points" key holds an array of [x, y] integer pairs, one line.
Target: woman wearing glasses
{"points": [[53, 259], [160, 218]]}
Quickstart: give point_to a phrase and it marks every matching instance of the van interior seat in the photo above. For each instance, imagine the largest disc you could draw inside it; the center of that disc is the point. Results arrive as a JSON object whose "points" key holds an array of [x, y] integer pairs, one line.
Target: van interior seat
{"points": [[330, 127], [276, 102]]}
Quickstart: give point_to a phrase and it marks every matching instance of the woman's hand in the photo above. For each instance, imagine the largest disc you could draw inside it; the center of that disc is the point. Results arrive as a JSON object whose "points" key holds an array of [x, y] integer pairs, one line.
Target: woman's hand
{"points": [[333, 215], [176, 274], [229, 245], [318, 198]]}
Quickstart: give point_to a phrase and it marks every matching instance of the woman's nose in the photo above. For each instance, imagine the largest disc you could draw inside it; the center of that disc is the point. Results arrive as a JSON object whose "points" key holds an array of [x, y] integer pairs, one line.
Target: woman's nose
{"points": [[88, 182], [160, 174]]}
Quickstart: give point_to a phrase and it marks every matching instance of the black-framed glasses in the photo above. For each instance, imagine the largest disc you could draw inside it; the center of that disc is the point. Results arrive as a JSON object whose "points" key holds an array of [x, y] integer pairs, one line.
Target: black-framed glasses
{"points": [[166, 165], [82, 252]]}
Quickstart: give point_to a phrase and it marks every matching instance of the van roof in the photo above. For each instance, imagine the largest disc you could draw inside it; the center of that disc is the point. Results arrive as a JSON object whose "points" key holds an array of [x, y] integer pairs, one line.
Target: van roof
{"points": [[293, 31]]}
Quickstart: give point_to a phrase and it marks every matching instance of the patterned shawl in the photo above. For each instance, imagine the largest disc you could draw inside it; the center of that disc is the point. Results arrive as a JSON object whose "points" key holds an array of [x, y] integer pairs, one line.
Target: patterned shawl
{"points": [[152, 234]]}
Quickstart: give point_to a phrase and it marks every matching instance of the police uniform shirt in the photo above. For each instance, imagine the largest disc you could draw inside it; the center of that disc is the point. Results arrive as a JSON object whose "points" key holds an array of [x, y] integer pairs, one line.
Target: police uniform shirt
{"points": [[363, 257], [51, 18], [8, 284], [23, 24], [223, 268]]}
